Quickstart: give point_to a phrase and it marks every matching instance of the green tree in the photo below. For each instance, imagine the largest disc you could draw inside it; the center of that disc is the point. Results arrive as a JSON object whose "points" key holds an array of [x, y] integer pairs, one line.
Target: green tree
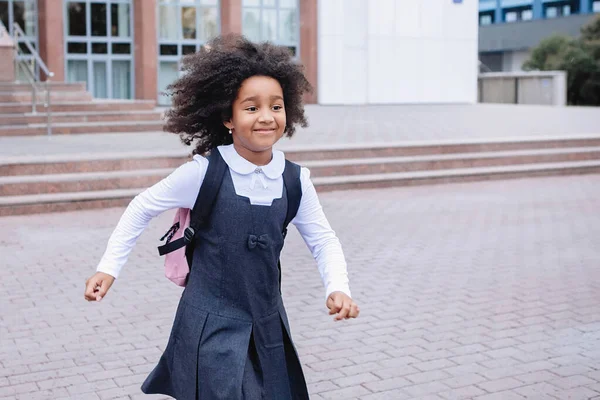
{"points": [[580, 58]]}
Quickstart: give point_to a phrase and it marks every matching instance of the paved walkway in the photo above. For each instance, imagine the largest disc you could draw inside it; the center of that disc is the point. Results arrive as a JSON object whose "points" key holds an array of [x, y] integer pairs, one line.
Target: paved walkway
{"points": [[350, 124], [477, 291]]}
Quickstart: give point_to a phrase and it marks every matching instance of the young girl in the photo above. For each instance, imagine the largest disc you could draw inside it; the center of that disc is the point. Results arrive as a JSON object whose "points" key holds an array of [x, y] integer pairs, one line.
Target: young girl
{"points": [[230, 337]]}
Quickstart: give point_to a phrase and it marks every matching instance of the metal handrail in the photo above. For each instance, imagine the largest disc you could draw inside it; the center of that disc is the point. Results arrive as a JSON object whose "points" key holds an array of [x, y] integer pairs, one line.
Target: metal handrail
{"points": [[36, 56], [29, 70]]}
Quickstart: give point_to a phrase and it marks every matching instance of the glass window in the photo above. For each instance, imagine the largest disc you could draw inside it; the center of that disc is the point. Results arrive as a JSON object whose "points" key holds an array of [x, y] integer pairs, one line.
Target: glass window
{"points": [[100, 31], [527, 15], [188, 22], [188, 49], [183, 26], [98, 17], [168, 49], [168, 71], [121, 48], [76, 48], [99, 48], [596, 6], [77, 71], [272, 20], [251, 23], [119, 20], [269, 25], [485, 20], [100, 89], [168, 22], [209, 23], [24, 14], [288, 26], [510, 16], [551, 12], [566, 10], [121, 79], [76, 16], [4, 14]]}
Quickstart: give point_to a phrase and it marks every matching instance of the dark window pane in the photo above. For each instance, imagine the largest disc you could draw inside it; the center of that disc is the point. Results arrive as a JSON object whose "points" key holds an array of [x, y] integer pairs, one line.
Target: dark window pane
{"points": [[24, 15], [76, 48], [76, 13], [119, 20], [99, 48], [4, 14], [188, 49], [121, 48], [98, 19], [168, 49], [23, 48]]}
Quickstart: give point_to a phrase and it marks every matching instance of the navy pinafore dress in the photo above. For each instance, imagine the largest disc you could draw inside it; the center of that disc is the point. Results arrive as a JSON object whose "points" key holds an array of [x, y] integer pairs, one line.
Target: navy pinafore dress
{"points": [[231, 337]]}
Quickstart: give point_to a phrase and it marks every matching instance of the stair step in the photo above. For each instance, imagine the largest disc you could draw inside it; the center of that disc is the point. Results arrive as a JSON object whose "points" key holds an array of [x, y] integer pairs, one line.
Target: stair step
{"points": [[54, 86], [57, 164], [27, 204], [82, 127], [80, 182], [79, 117], [119, 178], [453, 175], [69, 106], [25, 97], [376, 165]]}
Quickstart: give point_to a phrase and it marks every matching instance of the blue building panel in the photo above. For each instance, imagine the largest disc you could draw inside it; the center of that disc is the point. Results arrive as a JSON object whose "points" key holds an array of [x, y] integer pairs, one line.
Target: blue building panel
{"points": [[536, 7], [515, 3], [487, 5]]}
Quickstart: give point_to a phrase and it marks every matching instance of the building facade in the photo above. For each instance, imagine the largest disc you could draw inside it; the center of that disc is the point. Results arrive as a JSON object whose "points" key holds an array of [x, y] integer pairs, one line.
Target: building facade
{"points": [[509, 29], [353, 51]]}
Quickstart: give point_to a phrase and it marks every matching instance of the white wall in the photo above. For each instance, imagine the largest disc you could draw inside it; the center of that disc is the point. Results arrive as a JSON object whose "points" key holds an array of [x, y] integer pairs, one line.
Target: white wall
{"points": [[513, 60], [397, 51]]}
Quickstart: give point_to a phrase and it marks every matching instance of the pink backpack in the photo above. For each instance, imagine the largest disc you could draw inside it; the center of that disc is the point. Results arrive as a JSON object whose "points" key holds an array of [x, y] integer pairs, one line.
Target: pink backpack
{"points": [[178, 255], [176, 264]]}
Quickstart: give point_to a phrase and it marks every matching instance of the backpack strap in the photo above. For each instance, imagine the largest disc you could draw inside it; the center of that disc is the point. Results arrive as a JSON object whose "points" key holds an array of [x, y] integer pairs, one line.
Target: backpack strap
{"points": [[208, 192], [204, 202], [293, 188]]}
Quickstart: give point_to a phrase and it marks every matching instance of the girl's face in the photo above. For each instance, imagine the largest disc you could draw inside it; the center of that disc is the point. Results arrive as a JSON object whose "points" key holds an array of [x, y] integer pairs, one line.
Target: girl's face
{"points": [[258, 116]]}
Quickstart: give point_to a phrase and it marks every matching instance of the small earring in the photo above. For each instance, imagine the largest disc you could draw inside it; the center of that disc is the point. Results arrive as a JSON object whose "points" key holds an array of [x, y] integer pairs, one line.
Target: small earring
{"points": [[230, 131]]}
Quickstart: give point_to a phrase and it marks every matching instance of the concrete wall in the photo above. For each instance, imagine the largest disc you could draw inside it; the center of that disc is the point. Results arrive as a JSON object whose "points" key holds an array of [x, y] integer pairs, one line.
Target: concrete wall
{"points": [[546, 88], [513, 60], [397, 51]]}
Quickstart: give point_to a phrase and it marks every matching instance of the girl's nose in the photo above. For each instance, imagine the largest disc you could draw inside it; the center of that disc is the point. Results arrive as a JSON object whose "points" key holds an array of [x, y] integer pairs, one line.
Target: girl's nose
{"points": [[265, 116]]}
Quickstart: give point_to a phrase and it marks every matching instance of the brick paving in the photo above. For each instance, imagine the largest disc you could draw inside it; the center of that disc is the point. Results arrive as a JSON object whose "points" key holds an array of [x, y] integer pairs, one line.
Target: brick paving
{"points": [[480, 291], [352, 124]]}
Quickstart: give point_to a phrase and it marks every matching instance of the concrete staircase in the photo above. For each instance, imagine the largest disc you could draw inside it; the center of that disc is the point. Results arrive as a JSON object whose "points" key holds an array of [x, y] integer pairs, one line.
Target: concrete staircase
{"points": [[73, 111], [32, 185]]}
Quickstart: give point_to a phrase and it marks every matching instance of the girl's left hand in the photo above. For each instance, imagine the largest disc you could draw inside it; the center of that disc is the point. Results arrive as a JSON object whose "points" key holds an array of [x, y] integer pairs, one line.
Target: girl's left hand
{"points": [[341, 304]]}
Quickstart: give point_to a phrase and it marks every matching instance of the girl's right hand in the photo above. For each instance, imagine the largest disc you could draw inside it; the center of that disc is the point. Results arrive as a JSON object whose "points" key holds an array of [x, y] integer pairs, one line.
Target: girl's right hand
{"points": [[97, 286]]}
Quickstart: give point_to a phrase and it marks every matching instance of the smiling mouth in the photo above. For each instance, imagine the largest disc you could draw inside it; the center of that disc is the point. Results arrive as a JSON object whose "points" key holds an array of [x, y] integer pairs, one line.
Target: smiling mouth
{"points": [[264, 130]]}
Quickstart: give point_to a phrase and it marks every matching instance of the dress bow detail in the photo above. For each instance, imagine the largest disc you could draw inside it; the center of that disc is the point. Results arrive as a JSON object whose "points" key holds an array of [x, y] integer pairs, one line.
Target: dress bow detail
{"points": [[261, 241]]}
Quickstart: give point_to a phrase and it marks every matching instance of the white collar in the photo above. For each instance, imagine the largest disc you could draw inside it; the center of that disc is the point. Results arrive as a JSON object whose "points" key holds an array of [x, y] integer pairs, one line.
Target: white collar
{"points": [[239, 164]]}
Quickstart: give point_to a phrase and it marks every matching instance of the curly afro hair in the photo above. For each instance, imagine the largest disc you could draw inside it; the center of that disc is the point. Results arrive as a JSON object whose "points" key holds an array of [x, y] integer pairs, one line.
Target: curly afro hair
{"points": [[204, 94]]}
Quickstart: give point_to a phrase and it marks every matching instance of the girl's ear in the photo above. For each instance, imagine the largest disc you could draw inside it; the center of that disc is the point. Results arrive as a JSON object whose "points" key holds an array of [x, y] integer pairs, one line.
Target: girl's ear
{"points": [[228, 124]]}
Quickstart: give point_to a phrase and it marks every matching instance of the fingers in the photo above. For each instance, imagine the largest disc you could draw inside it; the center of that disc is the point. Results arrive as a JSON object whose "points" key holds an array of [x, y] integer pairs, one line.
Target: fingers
{"points": [[354, 310], [344, 310], [342, 305], [335, 304], [97, 286], [90, 289]]}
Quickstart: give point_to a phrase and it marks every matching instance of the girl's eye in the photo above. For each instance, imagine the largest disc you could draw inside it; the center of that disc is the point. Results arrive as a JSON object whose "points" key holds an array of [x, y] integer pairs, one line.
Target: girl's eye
{"points": [[251, 109], [277, 108]]}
